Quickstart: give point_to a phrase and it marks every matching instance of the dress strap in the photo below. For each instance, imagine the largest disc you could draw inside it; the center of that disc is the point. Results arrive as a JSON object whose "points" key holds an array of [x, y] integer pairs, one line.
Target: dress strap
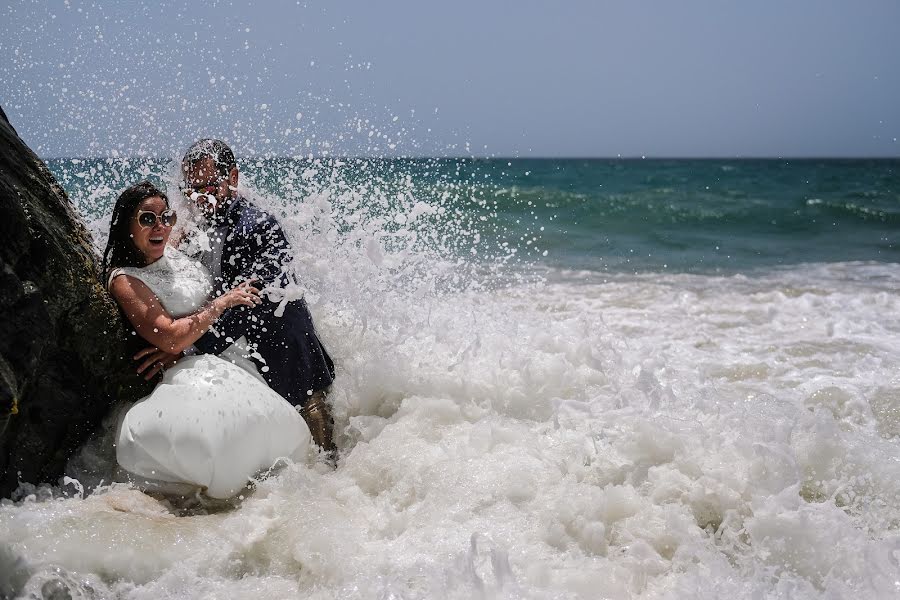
{"points": [[112, 275]]}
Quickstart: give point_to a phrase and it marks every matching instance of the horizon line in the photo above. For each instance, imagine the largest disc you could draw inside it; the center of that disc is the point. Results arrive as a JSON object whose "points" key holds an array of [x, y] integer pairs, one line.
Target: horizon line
{"points": [[507, 158]]}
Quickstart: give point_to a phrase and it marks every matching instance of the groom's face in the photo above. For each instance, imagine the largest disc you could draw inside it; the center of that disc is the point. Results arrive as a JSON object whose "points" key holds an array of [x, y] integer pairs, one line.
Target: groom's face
{"points": [[213, 191]]}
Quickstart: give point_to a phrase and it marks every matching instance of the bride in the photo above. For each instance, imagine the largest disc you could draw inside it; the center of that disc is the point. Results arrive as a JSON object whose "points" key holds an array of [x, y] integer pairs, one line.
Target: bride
{"points": [[211, 421]]}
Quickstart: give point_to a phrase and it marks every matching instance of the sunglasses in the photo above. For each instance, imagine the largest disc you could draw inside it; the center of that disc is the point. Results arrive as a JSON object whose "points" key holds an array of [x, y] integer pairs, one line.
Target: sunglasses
{"points": [[208, 189], [166, 218]]}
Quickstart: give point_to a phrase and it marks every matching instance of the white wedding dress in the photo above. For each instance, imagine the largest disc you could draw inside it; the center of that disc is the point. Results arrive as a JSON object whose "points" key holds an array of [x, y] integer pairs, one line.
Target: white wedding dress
{"points": [[212, 421]]}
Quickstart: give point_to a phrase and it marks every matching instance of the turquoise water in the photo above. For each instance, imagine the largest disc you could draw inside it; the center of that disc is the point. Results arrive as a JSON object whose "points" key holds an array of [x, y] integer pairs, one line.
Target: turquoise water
{"points": [[693, 216]]}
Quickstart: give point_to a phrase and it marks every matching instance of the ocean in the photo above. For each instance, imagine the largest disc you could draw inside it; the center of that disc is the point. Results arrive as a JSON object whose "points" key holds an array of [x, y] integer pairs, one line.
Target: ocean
{"points": [[555, 379]]}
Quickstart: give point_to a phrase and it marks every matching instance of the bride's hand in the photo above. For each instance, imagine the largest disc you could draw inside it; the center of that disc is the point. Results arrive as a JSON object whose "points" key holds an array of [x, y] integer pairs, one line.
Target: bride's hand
{"points": [[155, 361], [244, 294]]}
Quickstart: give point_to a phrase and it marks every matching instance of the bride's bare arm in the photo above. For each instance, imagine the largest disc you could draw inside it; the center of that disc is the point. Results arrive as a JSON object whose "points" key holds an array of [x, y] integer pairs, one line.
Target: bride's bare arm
{"points": [[154, 324]]}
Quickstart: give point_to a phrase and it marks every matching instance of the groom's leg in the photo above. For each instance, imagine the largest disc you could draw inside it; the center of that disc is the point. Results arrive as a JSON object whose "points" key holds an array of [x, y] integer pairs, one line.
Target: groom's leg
{"points": [[317, 414], [298, 368], [284, 376]]}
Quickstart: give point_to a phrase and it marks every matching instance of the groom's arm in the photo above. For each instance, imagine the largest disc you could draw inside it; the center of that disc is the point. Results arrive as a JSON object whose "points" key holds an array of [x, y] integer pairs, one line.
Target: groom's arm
{"points": [[267, 253], [153, 360], [272, 254]]}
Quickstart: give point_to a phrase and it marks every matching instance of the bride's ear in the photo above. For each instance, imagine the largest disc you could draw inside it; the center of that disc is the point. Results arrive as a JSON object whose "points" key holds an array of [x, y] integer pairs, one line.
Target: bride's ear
{"points": [[233, 178]]}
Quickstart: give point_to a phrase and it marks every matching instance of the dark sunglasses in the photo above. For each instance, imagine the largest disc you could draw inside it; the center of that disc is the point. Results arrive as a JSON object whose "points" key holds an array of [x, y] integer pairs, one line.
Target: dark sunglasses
{"points": [[206, 188], [166, 218]]}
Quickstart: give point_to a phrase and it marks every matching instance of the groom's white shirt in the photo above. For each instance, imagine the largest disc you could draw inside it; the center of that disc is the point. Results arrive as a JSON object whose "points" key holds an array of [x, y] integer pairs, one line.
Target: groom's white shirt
{"points": [[211, 255], [206, 244]]}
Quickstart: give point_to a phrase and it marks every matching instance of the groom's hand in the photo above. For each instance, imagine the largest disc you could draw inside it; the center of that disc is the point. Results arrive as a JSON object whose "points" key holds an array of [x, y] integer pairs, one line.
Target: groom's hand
{"points": [[153, 360]]}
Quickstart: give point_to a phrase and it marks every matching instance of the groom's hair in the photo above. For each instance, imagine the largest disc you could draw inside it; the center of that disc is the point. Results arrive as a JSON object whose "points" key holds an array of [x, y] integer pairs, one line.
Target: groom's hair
{"points": [[217, 150], [120, 249]]}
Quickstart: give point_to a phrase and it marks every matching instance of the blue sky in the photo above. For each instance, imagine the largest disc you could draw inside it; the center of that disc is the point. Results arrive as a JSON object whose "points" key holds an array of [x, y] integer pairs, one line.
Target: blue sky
{"points": [[630, 78]]}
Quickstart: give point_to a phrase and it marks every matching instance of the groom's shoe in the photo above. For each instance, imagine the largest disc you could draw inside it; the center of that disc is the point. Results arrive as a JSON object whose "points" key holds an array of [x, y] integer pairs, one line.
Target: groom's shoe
{"points": [[317, 415]]}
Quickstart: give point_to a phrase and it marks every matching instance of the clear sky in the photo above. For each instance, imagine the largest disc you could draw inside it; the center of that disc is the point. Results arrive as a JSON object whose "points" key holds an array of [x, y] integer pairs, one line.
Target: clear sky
{"points": [[648, 78]]}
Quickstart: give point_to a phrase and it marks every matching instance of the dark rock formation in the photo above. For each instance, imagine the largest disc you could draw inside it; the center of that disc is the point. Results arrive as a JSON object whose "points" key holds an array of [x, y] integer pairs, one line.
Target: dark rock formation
{"points": [[63, 350]]}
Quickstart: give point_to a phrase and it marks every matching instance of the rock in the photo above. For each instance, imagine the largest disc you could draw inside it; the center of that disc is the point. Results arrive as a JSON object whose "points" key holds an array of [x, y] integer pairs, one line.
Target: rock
{"points": [[64, 351]]}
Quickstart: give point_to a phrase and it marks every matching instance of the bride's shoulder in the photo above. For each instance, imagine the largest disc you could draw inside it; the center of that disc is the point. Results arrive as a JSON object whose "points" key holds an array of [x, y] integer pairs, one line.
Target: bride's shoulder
{"points": [[115, 276], [126, 282]]}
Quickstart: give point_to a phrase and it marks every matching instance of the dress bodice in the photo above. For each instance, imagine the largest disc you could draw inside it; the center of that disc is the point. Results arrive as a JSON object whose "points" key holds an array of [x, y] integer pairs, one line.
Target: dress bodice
{"points": [[182, 284]]}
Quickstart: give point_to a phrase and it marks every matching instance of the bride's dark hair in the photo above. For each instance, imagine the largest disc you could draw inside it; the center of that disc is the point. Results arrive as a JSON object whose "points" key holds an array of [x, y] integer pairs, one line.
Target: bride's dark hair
{"points": [[120, 249]]}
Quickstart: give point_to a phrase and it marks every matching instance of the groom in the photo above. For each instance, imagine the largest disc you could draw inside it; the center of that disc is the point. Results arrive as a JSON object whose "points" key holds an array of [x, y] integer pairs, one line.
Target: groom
{"points": [[246, 243]]}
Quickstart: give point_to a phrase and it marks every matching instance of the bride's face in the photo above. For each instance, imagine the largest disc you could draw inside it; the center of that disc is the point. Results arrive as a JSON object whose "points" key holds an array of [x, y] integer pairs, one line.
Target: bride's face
{"points": [[150, 240]]}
